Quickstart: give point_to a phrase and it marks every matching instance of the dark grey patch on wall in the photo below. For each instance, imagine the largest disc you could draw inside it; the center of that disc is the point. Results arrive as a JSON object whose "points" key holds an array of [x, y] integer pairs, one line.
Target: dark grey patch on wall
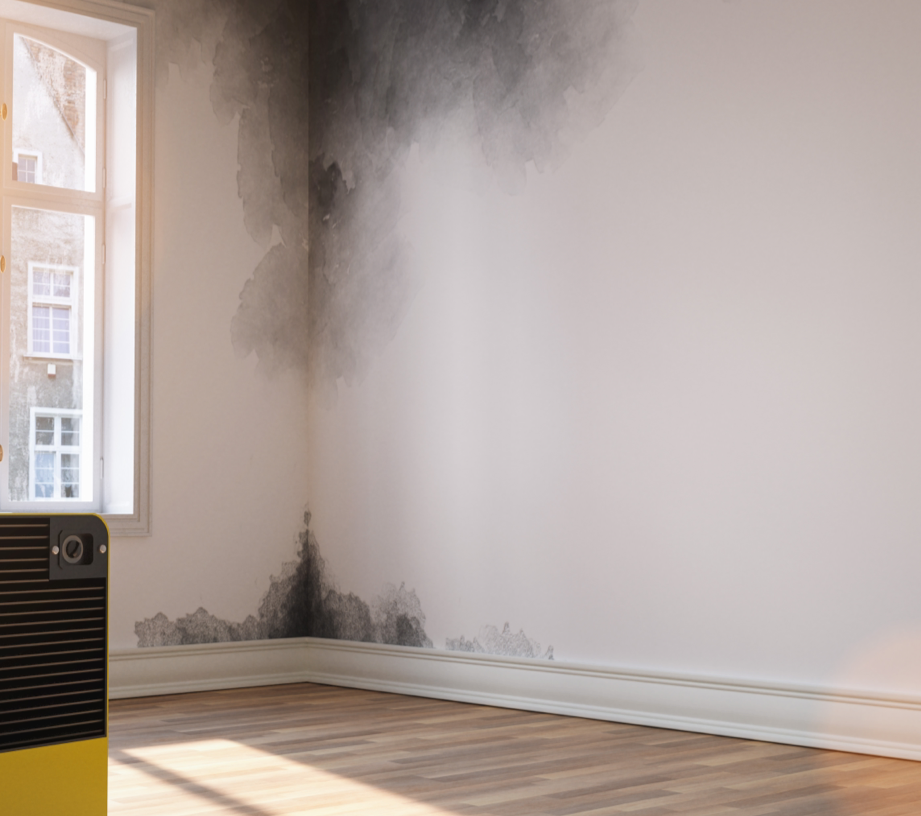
{"points": [[259, 51], [521, 81], [303, 601], [515, 81], [508, 643], [199, 627]]}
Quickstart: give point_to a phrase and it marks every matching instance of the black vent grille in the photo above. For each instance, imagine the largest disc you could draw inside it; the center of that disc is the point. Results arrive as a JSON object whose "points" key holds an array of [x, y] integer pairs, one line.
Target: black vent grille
{"points": [[52, 644]]}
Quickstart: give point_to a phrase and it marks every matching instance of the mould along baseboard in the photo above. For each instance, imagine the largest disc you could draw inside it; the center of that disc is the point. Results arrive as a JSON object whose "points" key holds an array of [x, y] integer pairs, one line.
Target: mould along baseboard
{"points": [[857, 721]]}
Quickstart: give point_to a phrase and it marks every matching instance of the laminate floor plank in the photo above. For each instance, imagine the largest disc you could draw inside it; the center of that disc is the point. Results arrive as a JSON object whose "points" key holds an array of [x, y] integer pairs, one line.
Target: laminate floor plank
{"points": [[326, 751]]}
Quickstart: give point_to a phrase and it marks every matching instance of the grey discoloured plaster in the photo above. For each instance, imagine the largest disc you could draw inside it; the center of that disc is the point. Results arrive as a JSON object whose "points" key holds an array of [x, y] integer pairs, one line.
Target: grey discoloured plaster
{"points": [[329, 97], [258, 49], [199, 627], [302, 602], [508, 643], [514, 82]]}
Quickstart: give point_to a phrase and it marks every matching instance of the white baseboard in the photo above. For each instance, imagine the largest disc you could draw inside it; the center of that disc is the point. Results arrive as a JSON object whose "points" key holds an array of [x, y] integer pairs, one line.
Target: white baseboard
{"points": [[860, 722], [207, 667]]}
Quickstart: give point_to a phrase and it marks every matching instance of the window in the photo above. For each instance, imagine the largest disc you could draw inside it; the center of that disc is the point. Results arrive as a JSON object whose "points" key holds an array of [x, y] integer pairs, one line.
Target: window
{"points": [[55, 236], [75, 157], [27, 167], [51, 299], [54, 455]]}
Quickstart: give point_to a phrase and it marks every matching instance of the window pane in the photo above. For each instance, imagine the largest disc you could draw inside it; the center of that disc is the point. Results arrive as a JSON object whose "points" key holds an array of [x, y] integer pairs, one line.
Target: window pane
{"points": [[62, 284], [60, 330], [41, 282], [70, 432], [27, 169], [54, 116], [41, 329], [44, 475], [44, 430], [70, 476], [59, 248]]}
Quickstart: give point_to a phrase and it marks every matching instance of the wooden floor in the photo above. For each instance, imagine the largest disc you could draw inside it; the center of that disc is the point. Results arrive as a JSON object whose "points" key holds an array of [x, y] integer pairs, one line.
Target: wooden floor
{"points": [[325, 751]]}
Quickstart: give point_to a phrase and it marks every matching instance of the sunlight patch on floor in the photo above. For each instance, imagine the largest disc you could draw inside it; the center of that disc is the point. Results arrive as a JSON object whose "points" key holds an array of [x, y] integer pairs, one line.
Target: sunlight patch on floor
{"points": [[235, 776]]}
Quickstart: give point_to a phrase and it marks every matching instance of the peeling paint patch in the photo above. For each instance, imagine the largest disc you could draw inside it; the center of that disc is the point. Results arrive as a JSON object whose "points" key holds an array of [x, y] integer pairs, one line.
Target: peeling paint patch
{"points": [[302, 601], [508, 643]]}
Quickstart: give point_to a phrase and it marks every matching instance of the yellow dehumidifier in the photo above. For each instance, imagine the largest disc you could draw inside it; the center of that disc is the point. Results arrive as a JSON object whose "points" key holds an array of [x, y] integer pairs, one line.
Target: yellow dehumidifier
{"points": [[54, 573]]}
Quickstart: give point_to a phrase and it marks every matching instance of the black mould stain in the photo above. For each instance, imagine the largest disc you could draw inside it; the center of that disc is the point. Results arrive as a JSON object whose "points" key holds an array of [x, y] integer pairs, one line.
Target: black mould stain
{"points": [[507, 643], [302, 602], [516, 82], [332, 94]]}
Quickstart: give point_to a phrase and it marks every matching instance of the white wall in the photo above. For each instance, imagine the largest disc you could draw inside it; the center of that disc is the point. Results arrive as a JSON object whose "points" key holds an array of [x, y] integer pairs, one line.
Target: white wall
{"points": [[228, 478], [660, 410]]}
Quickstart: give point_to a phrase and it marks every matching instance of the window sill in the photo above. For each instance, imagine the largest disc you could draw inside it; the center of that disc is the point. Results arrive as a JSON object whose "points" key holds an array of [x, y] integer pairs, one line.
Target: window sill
{"points": [[51, 358], [125, 524]]}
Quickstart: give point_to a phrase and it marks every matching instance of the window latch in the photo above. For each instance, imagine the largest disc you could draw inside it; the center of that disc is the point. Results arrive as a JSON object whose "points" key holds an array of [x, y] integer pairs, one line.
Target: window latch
{"points": [[2, 263]]}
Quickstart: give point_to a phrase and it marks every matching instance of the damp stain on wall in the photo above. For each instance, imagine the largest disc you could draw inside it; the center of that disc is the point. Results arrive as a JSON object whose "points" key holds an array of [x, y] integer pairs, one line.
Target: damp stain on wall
{"points": [[330, 97], [303, 601], [258, 50], [491, 640], [513, 83]]}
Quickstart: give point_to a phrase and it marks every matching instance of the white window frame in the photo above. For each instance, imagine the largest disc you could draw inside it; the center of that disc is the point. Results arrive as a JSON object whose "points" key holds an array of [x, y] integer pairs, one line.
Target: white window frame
{"points": [[72, 303], [136, 25], [37, 155], [58, 449]]}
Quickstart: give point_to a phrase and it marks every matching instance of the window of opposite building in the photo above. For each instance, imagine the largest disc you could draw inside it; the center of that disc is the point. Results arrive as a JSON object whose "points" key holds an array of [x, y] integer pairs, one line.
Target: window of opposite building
{"points": [[74, 190], [51, 314], [56, 449], [27, 166]]}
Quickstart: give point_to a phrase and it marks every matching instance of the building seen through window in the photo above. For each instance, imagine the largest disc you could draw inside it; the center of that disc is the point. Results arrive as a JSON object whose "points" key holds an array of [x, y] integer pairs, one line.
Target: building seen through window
{"points": [[68, 198], [54, 271]]}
